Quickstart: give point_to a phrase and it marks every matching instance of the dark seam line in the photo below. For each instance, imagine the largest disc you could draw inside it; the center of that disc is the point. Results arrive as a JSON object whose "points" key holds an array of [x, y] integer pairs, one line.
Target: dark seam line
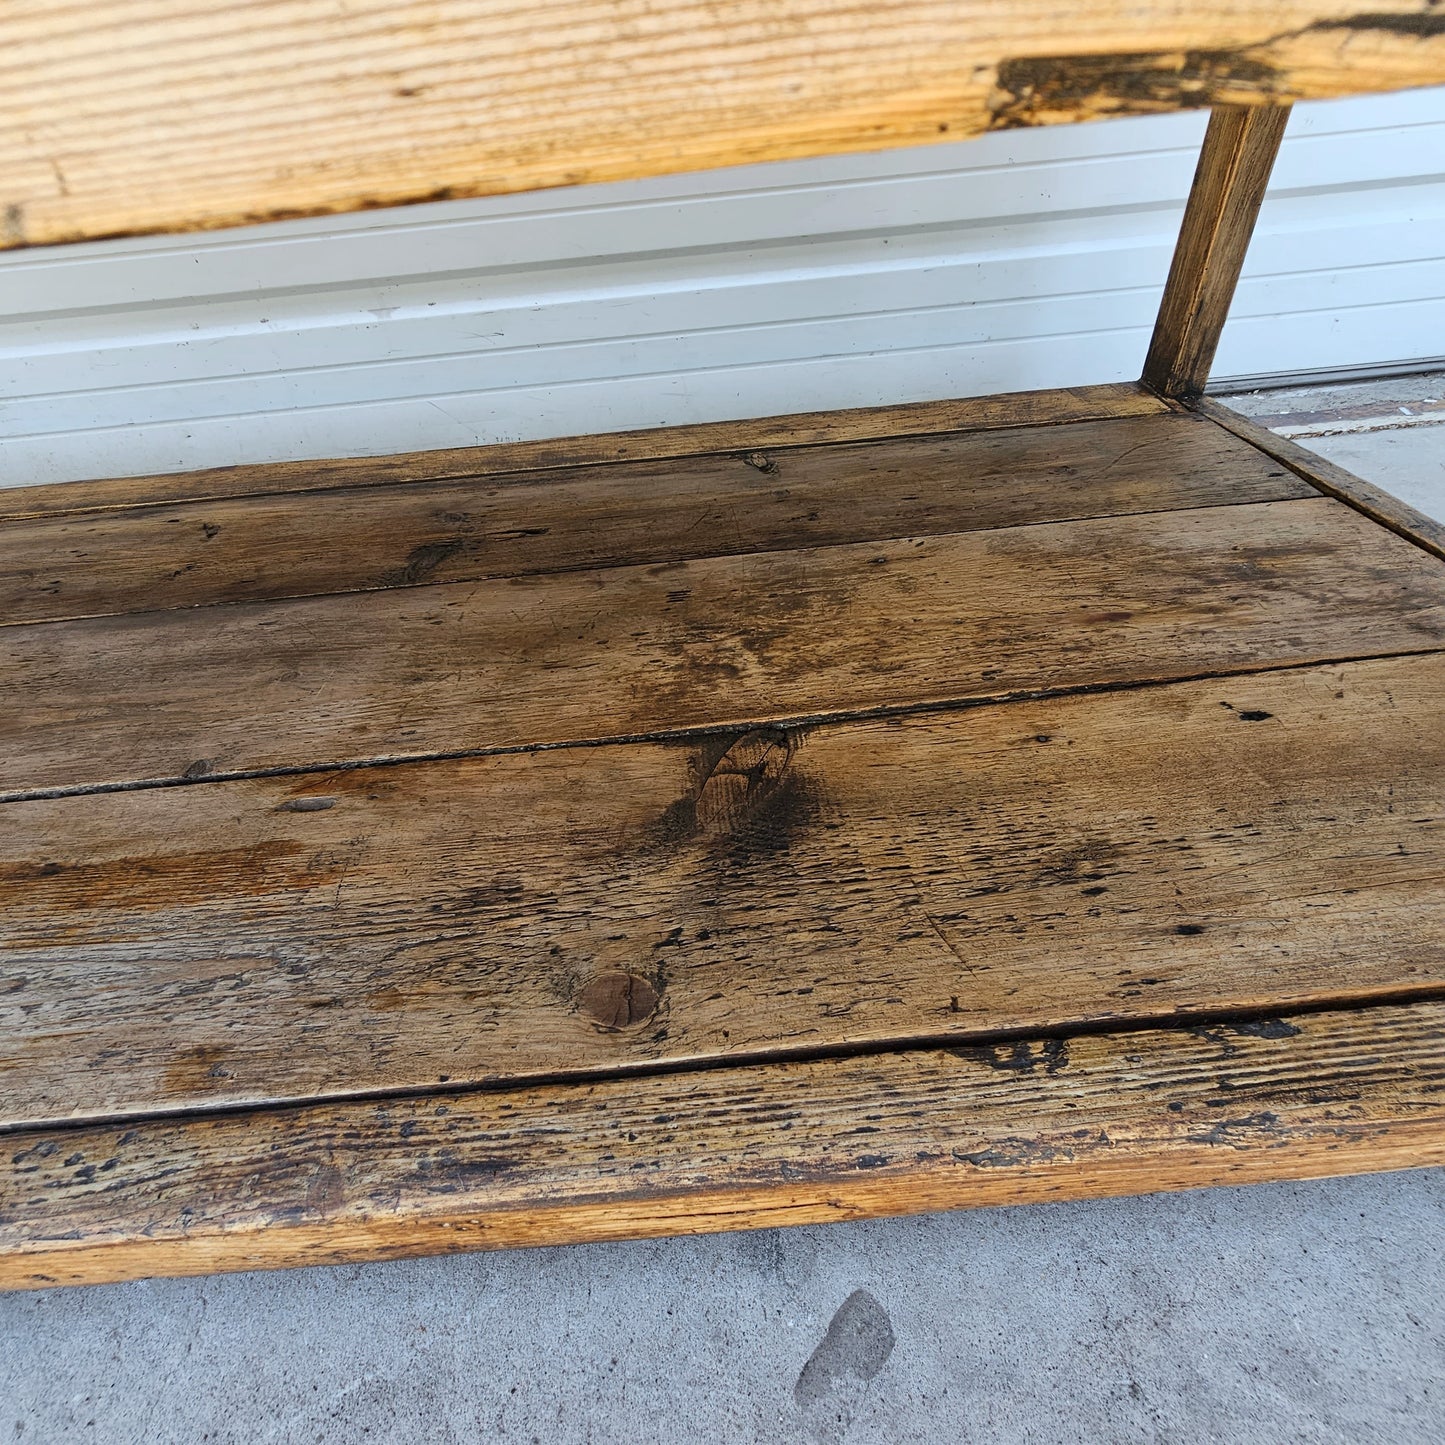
{"points": [[763, 549], [721, 453], [1179, 1021], [783, 723]]}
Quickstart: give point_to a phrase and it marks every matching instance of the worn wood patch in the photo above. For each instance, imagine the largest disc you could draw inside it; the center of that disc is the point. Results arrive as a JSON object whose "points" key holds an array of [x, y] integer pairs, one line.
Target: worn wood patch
{"points": [[818, 428], [717, 642], [800, 1143], [119, 120], [1239, 843], [773, 499]]}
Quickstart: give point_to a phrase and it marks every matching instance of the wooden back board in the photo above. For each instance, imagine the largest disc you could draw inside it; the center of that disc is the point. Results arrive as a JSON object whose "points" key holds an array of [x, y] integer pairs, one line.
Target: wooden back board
{"points": [[126, 117]]}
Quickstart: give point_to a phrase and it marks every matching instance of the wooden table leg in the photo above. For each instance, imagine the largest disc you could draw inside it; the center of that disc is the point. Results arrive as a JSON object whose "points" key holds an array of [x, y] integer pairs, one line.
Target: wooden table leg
{"points": [[1229, 185]]}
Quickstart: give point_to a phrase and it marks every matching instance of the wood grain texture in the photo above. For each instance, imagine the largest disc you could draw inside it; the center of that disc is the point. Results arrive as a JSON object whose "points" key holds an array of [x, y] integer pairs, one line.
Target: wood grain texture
{"points": [[122, 118], [1229, 185], [1333, 480], [360, 538], [799, 1143], [819, 428], [718, 642], [1239, 843]]}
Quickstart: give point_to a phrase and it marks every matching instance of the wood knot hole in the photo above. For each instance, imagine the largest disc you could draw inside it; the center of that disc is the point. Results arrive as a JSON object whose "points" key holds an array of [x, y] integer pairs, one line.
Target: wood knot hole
{"points": [[617, 1000]]}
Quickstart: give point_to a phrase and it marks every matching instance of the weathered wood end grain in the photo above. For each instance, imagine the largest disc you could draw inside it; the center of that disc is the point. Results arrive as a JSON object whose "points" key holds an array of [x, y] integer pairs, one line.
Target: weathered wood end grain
{"points": [[1017, 1121]]}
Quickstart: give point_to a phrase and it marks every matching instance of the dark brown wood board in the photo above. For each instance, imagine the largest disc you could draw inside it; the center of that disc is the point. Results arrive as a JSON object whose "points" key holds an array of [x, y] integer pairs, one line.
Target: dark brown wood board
{"points": [[1011, 1122], [818, 428], [1244, 842], [720, 642], [1017, 792], [348, 539]]}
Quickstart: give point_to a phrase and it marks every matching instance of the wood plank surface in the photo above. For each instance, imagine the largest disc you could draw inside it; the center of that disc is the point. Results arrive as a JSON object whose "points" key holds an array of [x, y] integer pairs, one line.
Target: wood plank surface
{"points": [[1229, 185], [818, 428], [1269, 841], [120, 118], [715, 642], [360, 538], [1333, 480], [796, 1143]]}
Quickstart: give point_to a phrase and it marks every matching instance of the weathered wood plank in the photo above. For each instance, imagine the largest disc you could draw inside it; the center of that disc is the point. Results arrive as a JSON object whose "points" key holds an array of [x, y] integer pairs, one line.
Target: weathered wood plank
{"points": [[819, 428], [355, 539], [1229, 185], [800, 1143], [1240, 843], [1331, 479], [717, 642], [120, 119]]}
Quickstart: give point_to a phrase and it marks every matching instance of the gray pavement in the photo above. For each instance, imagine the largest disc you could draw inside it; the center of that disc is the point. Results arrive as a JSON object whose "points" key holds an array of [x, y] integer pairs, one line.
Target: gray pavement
{"points": [[1280, 1313], [1306, 1312]]}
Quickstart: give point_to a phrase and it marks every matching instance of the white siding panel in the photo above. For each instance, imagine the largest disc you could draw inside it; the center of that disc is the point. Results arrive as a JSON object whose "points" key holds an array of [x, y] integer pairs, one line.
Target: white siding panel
{"points": [[1029, 259]]}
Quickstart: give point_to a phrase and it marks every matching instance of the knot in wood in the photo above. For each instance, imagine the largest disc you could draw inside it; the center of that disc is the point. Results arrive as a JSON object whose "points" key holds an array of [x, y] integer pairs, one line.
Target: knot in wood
{"points": [[742, 779], [617, 1000]]}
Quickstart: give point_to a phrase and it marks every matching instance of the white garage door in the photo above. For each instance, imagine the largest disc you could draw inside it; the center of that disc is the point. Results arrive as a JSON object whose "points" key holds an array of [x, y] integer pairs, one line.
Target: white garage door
{"points": [[1027, 259]]}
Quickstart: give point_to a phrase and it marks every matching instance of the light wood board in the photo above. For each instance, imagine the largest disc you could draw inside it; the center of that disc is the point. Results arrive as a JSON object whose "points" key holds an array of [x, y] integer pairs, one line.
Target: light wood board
{"points": [[121, 118]]}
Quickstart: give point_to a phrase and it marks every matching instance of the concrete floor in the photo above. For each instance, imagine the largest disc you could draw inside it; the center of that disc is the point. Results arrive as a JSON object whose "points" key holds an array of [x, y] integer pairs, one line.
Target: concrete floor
{"points": [[1310, 1312]]}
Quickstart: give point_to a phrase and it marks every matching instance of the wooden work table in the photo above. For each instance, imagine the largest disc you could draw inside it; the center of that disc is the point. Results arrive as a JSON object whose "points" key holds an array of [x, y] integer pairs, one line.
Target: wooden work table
{"points": [[997, 800]]}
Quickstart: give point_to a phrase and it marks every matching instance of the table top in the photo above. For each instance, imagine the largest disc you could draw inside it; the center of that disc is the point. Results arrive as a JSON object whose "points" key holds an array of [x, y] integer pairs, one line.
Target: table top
{"points": [[126, 117], [1019, 798]]}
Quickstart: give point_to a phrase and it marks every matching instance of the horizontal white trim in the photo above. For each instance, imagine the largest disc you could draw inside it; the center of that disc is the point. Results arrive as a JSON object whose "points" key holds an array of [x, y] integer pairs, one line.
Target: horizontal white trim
{"points": [[1026, 259]]}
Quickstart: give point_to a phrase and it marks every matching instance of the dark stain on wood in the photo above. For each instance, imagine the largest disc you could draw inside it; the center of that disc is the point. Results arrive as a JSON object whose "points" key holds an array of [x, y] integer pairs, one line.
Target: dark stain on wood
{"points": [[615, 1000], [1420, 26], [1023, 1057], [749, 799], [1039, 89], [422, 561], [1246, 1132]]}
